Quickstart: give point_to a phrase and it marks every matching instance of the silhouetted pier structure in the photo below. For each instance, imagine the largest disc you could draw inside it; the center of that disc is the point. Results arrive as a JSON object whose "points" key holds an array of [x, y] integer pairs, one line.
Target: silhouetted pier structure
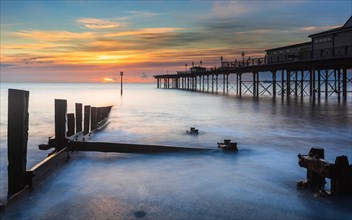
{"points": [[316, 68]]}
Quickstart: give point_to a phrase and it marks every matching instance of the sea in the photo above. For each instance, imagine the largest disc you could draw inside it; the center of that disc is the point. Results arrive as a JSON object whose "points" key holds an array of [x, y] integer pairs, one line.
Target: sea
{"points": [[258, 182]]}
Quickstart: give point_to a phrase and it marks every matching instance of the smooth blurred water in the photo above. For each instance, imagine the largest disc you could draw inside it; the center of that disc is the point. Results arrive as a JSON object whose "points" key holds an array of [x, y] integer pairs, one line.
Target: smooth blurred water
{"points": [[270, 133]]}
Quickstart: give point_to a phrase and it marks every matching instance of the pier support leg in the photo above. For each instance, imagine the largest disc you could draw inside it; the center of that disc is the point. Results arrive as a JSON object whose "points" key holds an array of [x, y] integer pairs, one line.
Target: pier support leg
{"points": [[17, 137], [274, 82], [227, 83], [339, 84], [254, 85], [282, 83], [344, 83], [313, 84], [326, 83], [318, 89], [296, 83], [237, 80], [302, 84], [208, 83], [288, 83], [257, 84], [240, 85], [216, 82], [223, 84]]}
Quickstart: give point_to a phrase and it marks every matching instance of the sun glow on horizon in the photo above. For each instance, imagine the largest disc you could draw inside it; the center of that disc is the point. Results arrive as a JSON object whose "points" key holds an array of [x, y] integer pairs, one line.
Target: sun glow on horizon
{"points": [[108, 80]]}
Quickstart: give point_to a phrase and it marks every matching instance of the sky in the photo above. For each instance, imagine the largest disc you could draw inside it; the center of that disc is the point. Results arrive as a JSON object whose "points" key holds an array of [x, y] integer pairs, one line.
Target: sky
{"points": [[93, 41]]}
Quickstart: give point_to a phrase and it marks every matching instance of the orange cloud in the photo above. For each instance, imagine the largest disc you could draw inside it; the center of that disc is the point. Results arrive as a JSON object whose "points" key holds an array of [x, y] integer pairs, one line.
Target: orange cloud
{"points": [[54, 35]]}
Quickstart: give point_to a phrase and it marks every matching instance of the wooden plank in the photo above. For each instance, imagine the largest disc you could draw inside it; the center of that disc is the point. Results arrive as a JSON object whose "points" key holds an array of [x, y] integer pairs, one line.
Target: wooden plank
{"points": [[126, 148], [17, 136], [43, 169], [60, 123], [78, 117], [70, 124], [86, 119]]}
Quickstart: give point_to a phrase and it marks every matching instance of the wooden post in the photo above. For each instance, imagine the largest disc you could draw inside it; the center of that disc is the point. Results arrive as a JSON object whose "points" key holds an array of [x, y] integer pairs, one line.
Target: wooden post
{"points": [[86, 119], [17, 136], [70, 124], [78, 117], [93, 118], [60, 123], [99, 114]]}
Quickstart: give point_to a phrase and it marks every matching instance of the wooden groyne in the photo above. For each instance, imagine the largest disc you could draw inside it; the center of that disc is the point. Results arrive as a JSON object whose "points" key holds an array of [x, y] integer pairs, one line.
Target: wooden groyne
{"points": [[318, 169], [67, 128], [70, 136], [127, 148]]}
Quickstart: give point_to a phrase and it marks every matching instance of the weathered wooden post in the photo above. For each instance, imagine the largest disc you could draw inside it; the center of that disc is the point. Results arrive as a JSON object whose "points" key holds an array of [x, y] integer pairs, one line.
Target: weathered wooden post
{"points": [[93, 118], [60, 123], [70, 124], [314, 179], [17, 136], [86, 119], [78, 117], [99, 114]]}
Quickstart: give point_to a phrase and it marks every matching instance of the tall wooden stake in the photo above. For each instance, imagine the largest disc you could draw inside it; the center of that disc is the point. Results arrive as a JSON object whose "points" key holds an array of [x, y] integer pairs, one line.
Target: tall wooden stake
{"points": [[60, 123], [17, 137]]}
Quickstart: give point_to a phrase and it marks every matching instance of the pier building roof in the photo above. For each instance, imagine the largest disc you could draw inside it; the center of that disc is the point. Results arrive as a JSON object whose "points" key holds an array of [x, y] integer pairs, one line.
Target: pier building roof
{"points": [[290, 46]]}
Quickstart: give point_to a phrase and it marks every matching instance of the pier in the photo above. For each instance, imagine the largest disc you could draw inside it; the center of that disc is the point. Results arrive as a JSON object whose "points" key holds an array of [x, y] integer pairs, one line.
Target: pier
{"points": [[320, 67]]}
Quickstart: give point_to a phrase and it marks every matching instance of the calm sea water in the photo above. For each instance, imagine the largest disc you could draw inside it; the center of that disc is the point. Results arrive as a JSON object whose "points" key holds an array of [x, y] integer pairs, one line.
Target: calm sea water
{"points": [[270, 133]]}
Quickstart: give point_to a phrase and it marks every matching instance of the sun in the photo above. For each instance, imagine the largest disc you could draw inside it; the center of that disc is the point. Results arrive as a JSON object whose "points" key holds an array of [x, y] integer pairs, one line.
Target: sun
{"points": [[108, 80]]}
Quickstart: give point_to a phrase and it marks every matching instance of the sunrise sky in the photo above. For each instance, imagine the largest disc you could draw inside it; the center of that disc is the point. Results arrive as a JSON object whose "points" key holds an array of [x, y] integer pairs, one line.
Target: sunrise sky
{"points": [[93, 41]]}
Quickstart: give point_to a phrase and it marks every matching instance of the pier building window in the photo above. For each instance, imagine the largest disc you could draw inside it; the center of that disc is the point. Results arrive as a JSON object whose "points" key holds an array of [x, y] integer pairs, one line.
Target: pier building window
{"points": [[322, 40]]}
